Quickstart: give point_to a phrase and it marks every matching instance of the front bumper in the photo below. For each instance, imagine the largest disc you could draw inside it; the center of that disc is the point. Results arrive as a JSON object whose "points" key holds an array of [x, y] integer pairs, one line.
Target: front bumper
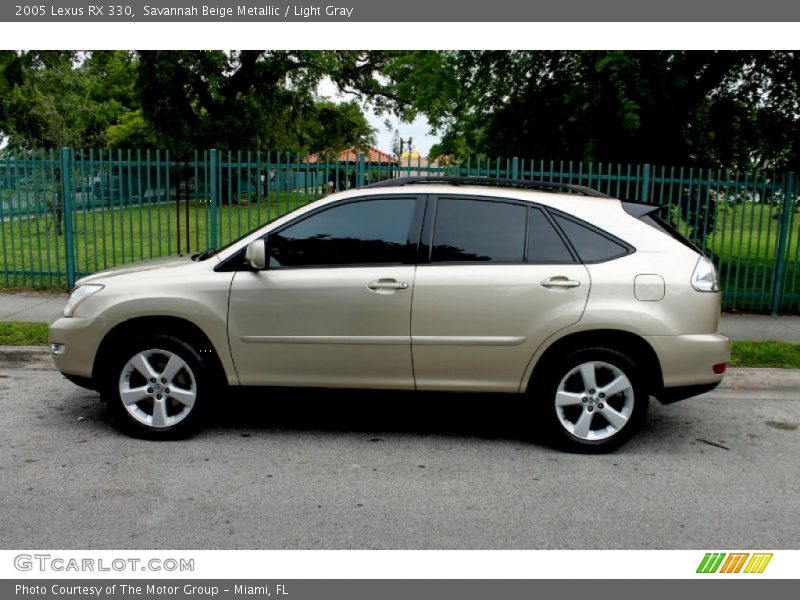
{"points": [[688, 360], [81, 338]]}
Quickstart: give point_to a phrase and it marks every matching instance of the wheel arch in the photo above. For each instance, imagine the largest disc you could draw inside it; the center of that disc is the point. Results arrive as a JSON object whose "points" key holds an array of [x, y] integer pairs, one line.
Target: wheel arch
{"points": [[171, 325], [630, 344]]}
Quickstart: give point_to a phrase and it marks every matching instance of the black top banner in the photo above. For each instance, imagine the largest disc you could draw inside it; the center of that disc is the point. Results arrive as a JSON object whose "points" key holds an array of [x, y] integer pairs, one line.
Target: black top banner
{"points": [[400, 11]]}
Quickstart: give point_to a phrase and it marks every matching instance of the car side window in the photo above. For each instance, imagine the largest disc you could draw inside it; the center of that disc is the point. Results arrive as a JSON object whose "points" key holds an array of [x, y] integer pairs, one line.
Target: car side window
{"points": [[591, 246], [468, 230], [366, 232], [544, 243]]}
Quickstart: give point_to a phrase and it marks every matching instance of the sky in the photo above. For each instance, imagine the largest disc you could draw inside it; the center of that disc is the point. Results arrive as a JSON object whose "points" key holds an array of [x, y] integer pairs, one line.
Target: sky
{"points": [[417, 130]]}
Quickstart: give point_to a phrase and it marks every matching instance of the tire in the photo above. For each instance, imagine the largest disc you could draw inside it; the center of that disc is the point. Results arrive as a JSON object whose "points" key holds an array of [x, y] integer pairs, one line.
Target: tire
{"points": [[593, 400], [157, 387]]}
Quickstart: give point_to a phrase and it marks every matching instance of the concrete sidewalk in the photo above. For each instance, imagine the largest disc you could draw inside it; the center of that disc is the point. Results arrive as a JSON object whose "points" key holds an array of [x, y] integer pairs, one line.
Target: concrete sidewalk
{"points": [[43, 307], [32, 307]]}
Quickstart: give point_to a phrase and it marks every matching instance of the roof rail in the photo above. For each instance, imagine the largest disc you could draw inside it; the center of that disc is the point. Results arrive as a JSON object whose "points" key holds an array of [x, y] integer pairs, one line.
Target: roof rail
{"points": [[527, 184]]}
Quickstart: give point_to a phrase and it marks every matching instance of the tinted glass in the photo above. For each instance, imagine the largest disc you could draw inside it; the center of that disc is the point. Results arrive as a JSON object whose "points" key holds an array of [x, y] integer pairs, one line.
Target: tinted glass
{"points": [[656, 223], [544, 243], [369, 232], [590, 245], [478, 231]]}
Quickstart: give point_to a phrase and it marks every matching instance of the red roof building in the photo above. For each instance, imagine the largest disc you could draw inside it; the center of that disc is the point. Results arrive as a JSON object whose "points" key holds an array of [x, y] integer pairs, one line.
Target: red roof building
{"points": [[371, 155]]}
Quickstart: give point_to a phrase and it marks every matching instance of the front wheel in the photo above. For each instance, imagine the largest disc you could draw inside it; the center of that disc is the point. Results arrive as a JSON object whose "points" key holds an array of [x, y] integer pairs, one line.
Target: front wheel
{"points": [[156, 388], [593, 399]]}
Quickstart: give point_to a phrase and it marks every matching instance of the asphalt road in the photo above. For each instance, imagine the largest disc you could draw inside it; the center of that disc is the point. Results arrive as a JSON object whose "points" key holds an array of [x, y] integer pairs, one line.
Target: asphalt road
{"points": [[319, 470]]}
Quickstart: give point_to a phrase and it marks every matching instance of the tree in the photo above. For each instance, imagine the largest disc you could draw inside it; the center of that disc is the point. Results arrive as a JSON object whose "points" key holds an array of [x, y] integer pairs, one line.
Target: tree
{"points": [[662, 107], [10, 77], [251, 99], [396, 143], [131, 131], [58, 99], [63, 99], [334, 127], [181, 100]]}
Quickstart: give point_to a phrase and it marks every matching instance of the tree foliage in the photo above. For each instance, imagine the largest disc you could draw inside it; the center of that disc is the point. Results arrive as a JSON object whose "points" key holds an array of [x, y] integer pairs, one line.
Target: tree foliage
{"points": [[57, 99], [334, 127], [662, 107], [705, 108], [252, 99], [183, 100]]}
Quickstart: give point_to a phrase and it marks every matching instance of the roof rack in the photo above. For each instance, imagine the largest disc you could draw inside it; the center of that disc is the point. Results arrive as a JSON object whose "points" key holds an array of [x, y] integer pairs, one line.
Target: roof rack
{"points": [[527, 184]]}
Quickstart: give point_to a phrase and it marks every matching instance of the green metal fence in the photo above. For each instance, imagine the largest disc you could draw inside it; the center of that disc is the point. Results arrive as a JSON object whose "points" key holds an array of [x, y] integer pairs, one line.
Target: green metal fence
{"points": [[67, 213]]}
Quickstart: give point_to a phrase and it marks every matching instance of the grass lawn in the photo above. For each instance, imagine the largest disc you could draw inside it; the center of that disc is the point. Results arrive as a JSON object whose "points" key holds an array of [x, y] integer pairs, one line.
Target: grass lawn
{"points": [[15, 333], [745, 243], [745, 353], [777, 355]]}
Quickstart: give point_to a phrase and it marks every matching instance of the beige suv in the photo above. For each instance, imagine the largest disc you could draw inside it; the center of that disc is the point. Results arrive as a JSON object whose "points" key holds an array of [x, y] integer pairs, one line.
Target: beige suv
{"points": [[580, 303]]}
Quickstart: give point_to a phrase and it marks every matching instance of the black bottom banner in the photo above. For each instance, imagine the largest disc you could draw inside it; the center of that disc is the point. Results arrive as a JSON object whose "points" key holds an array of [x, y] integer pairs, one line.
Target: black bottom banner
{"points": [[387, 589]]}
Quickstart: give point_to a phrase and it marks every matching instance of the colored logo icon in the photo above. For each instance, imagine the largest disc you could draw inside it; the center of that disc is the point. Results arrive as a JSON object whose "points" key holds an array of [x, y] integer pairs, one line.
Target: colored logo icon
{"points": [[734, 562]]}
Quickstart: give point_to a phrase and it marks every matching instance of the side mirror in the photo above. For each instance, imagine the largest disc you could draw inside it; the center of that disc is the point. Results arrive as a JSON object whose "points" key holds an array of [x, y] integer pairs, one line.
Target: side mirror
{"points": [[256, 254]]}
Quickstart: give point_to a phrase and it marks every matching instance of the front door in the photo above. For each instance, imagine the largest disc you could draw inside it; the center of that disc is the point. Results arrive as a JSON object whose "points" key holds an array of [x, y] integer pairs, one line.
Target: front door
{"points": [[334, 307]]}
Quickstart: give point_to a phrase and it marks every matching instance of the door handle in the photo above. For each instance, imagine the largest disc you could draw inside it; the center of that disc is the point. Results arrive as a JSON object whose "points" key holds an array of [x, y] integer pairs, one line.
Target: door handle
{"points": [[560, 282], [387, 284]]}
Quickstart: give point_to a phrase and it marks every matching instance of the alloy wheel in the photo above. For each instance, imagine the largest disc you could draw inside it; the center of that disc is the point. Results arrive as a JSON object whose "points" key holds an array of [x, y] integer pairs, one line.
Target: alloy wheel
{"points": [[157, 388], [594, 401]]}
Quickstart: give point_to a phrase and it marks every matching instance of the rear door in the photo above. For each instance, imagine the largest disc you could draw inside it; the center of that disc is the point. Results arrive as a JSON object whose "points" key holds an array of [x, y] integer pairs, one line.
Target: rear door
{"points": [[495, 279]]}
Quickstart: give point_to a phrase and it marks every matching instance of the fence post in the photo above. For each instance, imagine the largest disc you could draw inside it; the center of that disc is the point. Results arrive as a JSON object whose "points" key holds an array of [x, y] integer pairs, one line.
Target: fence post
{"points": [[644, 192], [787, 212], [212, 166], [66, 214], [515, 168]]}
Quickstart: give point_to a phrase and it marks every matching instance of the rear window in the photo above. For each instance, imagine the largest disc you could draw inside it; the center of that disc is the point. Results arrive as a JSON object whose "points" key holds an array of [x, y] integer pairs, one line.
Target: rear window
{"points": [[665, 227], [469, 230], [591, 245], [648, 213], [544, 243]]}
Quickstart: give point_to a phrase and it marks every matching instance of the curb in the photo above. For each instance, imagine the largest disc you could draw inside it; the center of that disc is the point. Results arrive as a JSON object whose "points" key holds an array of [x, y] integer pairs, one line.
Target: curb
{"points": [[26, 357], [761, 379], [38, 357]]}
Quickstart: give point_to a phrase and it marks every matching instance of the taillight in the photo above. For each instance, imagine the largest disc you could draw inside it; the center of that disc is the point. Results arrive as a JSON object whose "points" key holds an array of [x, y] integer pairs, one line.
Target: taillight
{"points": [[704, 278], [720, 368]]}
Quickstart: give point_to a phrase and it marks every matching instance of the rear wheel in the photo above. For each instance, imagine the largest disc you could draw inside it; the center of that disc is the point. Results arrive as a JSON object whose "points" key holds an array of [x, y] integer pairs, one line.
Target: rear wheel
{"points": [[157, 387], [593, 399]]}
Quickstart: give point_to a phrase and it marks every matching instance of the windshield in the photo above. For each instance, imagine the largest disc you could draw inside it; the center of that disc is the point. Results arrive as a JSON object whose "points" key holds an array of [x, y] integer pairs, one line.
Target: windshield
{"points": [[209, 252]]}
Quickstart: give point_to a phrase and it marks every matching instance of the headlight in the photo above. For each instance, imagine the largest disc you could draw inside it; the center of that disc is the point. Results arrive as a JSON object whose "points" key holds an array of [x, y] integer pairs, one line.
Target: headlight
{"points": [[78, 295], [704, 278]]}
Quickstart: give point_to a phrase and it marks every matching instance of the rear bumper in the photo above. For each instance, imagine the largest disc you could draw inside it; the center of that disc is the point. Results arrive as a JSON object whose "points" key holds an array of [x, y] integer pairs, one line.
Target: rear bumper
{"points": [[688, 360], [675, 394]]}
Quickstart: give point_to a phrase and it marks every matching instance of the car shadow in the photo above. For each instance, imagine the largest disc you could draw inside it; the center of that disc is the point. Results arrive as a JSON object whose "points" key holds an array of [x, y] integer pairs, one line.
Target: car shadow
{"points": [[250, 411], [490, 416]]}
